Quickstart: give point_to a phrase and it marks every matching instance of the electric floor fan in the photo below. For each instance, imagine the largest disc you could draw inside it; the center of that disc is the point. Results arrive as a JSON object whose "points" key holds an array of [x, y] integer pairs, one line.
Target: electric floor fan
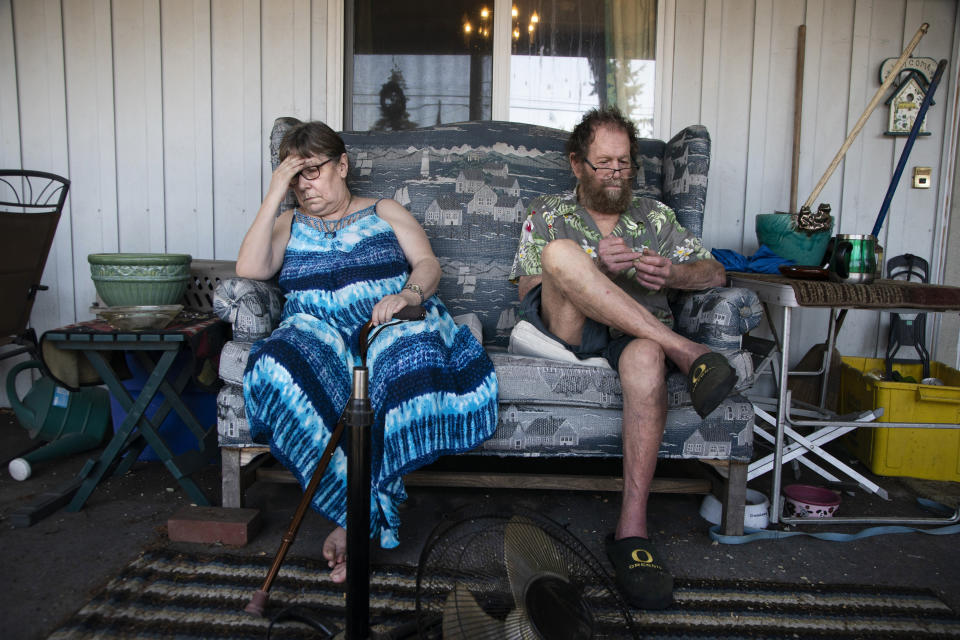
{"points": [[514, 575]]}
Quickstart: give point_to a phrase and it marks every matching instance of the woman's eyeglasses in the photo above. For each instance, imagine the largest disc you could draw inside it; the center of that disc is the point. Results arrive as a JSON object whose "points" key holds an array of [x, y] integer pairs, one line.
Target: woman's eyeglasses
{"points": [[309, 173], [609, 172]]}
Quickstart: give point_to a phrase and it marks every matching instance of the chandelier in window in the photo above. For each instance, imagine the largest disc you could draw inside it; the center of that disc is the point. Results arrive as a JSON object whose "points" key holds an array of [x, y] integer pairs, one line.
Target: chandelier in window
{"points": [[480, 26]]}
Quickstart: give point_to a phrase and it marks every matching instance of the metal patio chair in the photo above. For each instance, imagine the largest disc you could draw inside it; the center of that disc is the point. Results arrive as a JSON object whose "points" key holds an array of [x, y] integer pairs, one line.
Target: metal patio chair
{"points": [[30, 207]]}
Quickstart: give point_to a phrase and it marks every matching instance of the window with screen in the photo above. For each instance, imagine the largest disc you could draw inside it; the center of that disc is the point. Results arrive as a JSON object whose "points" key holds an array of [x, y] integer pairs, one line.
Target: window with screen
{"points": [[431, 62]]}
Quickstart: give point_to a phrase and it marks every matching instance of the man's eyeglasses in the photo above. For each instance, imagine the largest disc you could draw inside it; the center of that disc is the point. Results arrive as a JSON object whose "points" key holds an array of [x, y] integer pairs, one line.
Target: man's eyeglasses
{"points": [[609, 172], [309, 173]]}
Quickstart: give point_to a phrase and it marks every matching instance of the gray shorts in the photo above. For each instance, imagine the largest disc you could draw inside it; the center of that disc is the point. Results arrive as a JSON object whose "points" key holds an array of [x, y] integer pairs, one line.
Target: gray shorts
{"points": [[595, 338]]}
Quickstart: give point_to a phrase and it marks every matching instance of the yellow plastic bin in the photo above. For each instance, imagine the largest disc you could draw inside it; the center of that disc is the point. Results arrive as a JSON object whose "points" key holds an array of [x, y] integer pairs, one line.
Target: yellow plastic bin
{"points": [[932, 454]]}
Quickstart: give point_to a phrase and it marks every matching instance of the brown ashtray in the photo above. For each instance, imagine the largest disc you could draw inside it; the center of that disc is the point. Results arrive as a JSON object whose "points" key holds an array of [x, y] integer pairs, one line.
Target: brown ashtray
{"points": [[804, 272]]}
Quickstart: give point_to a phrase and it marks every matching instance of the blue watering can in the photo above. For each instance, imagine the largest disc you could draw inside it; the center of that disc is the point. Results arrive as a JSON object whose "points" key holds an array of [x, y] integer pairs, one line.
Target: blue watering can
{"points": [[68, 421]]}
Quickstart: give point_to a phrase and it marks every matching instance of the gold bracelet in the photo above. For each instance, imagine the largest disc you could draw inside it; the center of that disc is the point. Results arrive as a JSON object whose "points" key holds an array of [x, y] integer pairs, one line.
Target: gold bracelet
{"points": [[415, 288]]}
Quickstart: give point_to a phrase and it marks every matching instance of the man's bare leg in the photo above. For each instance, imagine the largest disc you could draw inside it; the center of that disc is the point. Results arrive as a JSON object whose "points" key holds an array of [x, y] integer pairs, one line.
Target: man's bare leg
{"points": [[335, 553], [643, 379], [573, 287], [639, 568]]}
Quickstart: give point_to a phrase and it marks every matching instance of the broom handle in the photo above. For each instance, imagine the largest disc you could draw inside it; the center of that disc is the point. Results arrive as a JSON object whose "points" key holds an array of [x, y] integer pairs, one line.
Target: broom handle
{"points": [[902, 60], [308, 494], [914, 132], [797, 115]]}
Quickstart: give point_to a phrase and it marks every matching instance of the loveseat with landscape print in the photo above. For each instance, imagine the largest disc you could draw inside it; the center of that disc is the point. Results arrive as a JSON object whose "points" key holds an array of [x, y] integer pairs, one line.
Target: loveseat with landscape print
{"points": [[469, 185]]}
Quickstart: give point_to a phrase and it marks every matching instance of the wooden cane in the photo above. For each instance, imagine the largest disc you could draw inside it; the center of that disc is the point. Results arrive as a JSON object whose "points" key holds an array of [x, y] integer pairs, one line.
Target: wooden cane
{"points": [[258, 602], [902, 60]]}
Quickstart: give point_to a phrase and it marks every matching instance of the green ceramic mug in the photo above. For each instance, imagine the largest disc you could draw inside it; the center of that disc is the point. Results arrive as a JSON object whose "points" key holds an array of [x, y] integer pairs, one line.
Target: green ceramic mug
{"points": [[854, 259]]}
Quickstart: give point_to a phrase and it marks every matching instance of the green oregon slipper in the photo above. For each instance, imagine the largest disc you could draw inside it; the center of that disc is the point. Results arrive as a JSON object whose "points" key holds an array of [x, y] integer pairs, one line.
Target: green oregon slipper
{"points": [[711, 380], [640, 572]]}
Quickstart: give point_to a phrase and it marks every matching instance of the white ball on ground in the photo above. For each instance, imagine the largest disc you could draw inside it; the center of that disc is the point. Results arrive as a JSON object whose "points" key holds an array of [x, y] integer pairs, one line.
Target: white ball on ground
{"points": [[19, 469]]}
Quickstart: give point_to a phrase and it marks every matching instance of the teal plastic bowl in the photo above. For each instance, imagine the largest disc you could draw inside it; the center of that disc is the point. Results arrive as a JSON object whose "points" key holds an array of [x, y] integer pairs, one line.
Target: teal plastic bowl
{"points": [[140, 279], [778, 231]]}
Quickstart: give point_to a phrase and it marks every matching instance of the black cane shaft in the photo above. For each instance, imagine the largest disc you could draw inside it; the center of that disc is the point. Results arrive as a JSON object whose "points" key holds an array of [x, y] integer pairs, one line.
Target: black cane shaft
{"points": [[359, 417]]}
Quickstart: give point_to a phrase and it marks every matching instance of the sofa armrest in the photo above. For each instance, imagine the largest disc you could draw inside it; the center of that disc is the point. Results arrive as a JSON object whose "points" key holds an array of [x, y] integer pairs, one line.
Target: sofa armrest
{"points": [[717, 317], [686, 163], [252, 307]]}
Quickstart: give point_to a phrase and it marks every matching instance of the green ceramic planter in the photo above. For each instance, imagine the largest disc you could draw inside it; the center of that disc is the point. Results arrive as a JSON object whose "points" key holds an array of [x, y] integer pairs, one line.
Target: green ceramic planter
{"points": [[777, 231], [140, 279]]}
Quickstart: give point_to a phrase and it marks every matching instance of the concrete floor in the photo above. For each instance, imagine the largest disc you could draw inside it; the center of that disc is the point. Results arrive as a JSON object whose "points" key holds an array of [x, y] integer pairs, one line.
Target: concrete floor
{"points": [[51, 569]]}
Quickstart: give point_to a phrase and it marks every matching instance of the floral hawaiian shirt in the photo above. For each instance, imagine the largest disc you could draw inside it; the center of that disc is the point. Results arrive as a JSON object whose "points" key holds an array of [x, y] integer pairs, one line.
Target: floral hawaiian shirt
{"points": [[645, 222]]}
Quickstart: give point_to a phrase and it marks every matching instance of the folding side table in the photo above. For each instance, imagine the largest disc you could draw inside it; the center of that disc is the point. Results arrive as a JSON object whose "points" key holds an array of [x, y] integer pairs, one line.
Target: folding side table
{"points": [[883, 296], [95, 339]]}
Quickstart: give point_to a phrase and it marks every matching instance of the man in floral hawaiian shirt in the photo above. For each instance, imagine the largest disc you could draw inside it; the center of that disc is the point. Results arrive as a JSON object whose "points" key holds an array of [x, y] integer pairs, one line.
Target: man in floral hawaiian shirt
{"points": [[593, 269]]}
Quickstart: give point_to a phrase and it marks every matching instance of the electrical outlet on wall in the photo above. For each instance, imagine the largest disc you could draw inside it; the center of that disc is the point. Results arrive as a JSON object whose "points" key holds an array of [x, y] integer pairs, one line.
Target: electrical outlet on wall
{"points": [[921, 177]]}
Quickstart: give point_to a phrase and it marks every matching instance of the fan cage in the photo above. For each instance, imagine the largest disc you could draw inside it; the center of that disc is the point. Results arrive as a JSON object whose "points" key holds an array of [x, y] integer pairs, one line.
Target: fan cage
{"points": [[467, 552]]}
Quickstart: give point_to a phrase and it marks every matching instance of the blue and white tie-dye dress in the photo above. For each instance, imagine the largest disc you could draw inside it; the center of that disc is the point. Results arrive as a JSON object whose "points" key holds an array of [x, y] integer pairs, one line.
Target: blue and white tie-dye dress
{"points": [[431, 386]]}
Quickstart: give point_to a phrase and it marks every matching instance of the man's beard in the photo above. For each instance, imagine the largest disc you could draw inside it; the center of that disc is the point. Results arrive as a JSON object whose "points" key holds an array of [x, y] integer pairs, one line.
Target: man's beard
{"points": [[593, 195]]}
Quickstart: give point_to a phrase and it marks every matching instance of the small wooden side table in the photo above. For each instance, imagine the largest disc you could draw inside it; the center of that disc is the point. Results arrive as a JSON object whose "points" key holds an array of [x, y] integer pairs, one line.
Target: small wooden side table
{"points": [[203, 336]]}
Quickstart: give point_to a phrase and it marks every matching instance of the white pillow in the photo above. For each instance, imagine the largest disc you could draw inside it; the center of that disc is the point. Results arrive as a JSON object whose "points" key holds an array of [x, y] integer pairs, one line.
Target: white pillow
{"points": [[527, 340], [472, 322]]}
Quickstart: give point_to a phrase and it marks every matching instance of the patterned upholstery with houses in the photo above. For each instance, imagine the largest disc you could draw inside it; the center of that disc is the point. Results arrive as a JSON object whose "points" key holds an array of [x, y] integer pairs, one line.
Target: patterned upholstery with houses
{"points": [[469, 185]]}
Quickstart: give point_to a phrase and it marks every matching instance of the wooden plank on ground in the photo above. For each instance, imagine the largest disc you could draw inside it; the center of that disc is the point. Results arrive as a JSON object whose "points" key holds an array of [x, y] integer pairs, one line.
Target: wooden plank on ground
{"points": [[45, 505]]}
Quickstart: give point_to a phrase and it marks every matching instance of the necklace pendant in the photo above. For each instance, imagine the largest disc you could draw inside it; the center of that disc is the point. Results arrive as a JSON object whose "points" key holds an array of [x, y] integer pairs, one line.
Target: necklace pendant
{"points": [[331, 234]]}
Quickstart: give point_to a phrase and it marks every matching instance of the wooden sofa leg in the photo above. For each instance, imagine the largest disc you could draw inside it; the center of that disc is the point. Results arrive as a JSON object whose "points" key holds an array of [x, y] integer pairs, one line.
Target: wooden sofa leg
{"points": [[231, 492], [734, 499]]}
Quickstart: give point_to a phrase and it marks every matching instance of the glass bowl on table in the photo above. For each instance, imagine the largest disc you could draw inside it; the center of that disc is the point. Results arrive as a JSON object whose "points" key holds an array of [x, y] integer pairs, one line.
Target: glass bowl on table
{"points": [[140, 318]]}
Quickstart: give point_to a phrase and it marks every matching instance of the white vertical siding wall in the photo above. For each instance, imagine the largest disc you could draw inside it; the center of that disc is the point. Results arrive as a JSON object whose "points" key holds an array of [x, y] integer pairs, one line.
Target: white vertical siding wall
{"points": [[734, 64], [159, 110], [43, 115], [138, 98], [237, 159], [92, 147], [187, 115], [9, 107]]}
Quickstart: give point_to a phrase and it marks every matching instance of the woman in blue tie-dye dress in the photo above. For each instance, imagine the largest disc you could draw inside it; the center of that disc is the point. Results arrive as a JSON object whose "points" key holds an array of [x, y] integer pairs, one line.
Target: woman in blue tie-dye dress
{"points": [[344, 260]]}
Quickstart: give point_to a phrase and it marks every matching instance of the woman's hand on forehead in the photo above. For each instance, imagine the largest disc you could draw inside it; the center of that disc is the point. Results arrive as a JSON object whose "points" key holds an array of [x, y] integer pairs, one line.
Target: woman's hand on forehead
{"points": [[285, 172], [310, 161], [292, 160]]}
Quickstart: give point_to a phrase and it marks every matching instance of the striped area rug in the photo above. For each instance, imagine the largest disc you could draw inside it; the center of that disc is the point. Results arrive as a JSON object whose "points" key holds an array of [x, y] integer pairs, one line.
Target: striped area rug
{"points": [[166, 594]]}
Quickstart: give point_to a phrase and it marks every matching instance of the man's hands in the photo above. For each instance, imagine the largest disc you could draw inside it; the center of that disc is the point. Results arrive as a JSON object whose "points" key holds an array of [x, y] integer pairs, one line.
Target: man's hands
{"points": [[651, 269], [615, 256]]}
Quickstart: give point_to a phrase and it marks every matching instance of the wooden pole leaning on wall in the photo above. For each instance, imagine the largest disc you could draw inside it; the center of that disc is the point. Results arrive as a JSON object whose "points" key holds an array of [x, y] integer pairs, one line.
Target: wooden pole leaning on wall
{"points": [[901, 61], [797, 115]]}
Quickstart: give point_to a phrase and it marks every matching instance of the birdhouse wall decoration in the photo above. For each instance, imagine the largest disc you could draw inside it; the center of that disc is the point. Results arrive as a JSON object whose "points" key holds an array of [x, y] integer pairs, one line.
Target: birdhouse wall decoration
{"points": [[908, 94]]}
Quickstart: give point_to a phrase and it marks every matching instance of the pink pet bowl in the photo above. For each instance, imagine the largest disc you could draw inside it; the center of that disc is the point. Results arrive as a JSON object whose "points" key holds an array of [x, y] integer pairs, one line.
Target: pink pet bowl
{"points": [[804, 501]]}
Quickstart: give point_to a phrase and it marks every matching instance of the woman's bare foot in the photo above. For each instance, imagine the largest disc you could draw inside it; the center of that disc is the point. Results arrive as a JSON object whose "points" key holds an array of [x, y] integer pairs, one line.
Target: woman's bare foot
{"points": [[335, 552]]}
